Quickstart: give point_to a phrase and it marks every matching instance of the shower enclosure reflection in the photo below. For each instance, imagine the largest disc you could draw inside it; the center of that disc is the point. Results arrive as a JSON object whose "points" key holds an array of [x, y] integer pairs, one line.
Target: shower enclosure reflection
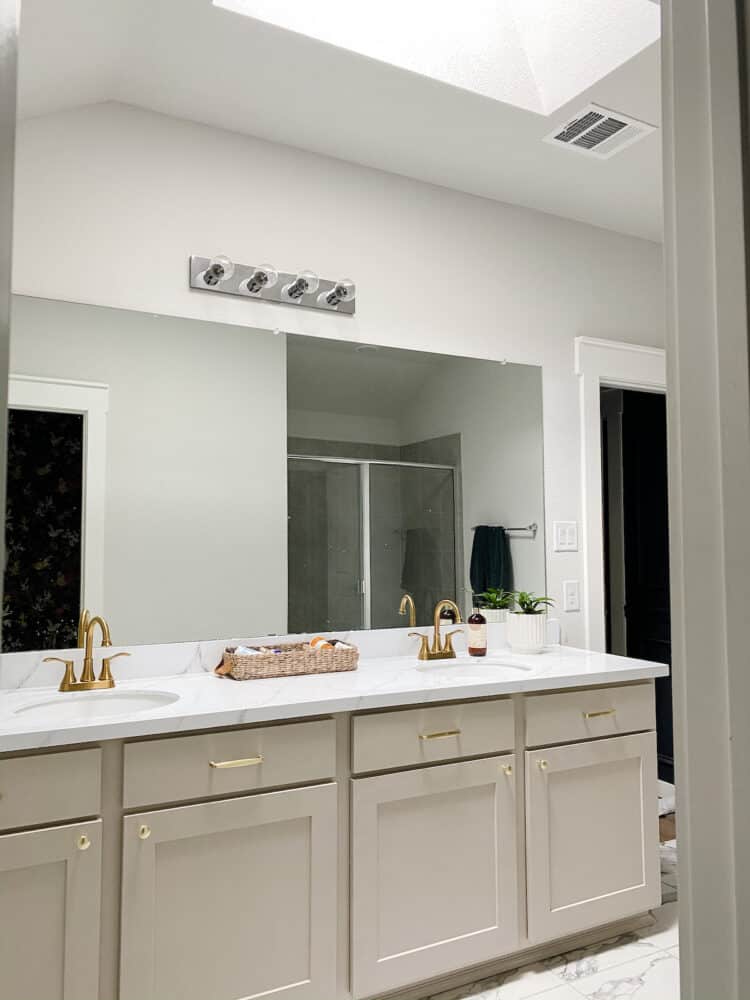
{"points": [[361, 533]]}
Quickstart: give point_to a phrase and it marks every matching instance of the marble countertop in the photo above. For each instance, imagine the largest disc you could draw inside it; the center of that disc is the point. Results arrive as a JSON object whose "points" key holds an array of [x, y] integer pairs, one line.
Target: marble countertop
{"points": [[204, 701]]}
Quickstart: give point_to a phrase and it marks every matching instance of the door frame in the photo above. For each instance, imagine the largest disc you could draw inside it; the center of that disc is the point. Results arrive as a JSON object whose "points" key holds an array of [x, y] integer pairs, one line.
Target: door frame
{"points": [[616, 365], [91, 401]]}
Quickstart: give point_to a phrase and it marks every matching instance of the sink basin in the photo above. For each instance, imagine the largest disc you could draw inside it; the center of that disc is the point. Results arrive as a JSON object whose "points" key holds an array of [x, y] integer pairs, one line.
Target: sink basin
{"points": [[468, 669], [82, 706]]}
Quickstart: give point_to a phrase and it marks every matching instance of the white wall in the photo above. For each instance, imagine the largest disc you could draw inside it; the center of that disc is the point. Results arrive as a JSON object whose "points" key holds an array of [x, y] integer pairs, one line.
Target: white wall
{"points": [[342, 427], [111, 200], [497, 409], [195, 536]]}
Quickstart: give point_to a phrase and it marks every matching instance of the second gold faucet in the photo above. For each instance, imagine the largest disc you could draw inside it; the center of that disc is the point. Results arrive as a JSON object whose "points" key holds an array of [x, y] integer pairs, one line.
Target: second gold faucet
{"points": [[440, 649]]}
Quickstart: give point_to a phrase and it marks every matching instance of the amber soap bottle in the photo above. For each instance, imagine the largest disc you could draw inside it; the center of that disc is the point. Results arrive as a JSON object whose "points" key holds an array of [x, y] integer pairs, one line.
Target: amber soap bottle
{"points": [[477, 637]]}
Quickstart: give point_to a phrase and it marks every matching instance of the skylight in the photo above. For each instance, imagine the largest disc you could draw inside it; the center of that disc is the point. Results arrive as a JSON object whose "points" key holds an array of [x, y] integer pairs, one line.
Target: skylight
{"points": [[533, 54]]}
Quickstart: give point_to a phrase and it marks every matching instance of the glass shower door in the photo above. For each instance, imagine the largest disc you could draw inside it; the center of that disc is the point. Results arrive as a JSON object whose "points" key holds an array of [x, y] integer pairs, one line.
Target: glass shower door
{"points": [[325, 546], [412, 540]]}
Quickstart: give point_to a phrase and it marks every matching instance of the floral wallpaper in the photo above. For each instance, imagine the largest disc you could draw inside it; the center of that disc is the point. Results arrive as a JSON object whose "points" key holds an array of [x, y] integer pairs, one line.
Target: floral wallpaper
{"points": [[42, 586]]}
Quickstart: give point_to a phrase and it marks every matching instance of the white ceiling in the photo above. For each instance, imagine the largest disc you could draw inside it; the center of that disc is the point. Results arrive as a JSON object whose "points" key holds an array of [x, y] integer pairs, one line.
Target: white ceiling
{"points": [[340, 377], [532, 54], [190, 59]]}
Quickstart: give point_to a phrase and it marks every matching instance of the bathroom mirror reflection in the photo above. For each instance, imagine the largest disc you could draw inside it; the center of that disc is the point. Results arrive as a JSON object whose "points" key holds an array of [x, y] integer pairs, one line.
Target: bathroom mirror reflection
{"points": [[197, 480]]}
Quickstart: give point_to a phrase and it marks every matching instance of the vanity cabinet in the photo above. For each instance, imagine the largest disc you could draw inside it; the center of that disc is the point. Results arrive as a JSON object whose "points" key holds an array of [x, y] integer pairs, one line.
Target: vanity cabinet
{"points": [[232, 898], [591, 834], [434, 871], [49, 913]]}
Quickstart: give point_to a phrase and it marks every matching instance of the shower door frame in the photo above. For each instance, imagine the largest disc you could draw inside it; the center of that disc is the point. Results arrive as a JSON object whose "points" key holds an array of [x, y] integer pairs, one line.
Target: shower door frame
{"points": [[365, 532]]}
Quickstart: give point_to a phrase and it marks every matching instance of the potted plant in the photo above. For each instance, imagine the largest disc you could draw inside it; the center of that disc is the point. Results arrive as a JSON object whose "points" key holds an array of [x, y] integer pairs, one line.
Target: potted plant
{"points": [[495, 603], [527, 626]]}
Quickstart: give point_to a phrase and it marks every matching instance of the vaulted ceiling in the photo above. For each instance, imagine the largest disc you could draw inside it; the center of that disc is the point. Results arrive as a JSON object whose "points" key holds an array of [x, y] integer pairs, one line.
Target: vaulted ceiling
{"points": [[196, 60]]}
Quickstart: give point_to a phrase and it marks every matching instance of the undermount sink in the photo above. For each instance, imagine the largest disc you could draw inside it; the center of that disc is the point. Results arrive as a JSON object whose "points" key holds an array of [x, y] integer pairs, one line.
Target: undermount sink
{"points": [[83, 706], [469, 668]]}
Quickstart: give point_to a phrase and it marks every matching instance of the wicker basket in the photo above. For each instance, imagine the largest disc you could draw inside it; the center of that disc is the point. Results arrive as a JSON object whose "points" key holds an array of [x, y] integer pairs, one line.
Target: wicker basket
{"points": [[294, 658]]}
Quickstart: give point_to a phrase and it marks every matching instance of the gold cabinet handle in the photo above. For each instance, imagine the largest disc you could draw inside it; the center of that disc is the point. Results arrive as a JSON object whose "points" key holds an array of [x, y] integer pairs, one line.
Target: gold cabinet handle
{"points": [[600, 714], [445, 735], [543, 765], [83, 842], [242, 762], [144, 832], [508, 769]]}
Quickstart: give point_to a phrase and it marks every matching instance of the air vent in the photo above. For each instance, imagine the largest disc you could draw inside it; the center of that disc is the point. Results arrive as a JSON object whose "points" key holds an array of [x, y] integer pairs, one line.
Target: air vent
{"points": [[598, 132]]}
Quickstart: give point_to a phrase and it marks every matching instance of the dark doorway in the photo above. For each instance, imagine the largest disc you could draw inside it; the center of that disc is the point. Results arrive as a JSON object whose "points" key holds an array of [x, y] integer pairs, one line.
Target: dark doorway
{"points": [[636, 529], [42, 583]]}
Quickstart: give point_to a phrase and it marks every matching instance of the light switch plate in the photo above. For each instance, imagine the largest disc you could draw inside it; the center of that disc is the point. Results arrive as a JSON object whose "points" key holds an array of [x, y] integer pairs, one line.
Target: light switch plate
{"points": [[565, 536], [571, 595]]}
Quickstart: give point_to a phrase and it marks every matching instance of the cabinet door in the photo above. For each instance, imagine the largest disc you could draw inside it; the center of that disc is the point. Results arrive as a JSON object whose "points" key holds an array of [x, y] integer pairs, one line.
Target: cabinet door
{"points": [[434, 872], [232, 899], [49, 913], [592, 832]]}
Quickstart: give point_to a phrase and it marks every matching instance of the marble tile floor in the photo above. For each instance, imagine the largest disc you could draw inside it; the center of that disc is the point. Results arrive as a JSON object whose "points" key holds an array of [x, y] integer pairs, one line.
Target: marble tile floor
{"points": [[643, 965]]}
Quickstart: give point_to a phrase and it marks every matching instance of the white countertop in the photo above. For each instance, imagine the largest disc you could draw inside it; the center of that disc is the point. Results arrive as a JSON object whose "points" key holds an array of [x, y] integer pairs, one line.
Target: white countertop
{"points": [[206, 701]]}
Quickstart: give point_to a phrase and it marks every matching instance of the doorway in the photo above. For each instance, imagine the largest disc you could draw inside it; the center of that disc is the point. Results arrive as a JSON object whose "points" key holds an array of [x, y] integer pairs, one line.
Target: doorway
{"points": [[635, 508]]}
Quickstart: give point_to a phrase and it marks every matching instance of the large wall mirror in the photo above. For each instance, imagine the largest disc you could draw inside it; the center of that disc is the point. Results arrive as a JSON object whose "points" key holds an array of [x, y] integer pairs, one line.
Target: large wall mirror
{"points": [[195, 480]]}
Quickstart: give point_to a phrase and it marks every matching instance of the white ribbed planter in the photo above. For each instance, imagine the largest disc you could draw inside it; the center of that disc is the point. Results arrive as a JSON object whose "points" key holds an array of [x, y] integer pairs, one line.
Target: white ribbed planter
{"points": [[526, 633], [494, 616]]}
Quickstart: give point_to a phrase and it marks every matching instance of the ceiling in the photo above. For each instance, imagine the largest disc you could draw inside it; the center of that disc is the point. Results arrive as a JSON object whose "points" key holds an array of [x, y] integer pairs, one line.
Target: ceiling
{"points": [[340, 377], [193, 60]]}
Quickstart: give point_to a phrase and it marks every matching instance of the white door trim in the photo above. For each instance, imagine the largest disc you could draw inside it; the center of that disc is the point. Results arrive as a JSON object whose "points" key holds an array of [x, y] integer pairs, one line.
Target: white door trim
{"points": [[91, 399], [624, 366]]}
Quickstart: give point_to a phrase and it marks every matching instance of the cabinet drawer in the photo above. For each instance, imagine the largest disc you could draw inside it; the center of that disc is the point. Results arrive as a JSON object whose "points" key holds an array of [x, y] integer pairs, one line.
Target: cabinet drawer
{"points": [[191, 767], [422, 735], [46, 788], [571, 716]]}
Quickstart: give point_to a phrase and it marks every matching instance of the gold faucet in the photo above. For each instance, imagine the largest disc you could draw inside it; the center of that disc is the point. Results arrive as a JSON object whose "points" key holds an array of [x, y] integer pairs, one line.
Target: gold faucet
{"points": [[439, 650], [407, 601], [88, 681], [83, 624]]}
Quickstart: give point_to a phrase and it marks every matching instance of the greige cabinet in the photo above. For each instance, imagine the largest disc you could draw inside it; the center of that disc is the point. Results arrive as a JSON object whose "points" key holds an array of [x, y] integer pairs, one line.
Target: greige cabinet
{"points": [[592, 838], [434, 871], [49, 913], [230, 899]]}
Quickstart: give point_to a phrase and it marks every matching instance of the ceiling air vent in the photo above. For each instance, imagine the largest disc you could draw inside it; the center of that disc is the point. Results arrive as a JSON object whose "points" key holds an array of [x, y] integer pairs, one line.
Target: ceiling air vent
{"points": [[599, 132]]}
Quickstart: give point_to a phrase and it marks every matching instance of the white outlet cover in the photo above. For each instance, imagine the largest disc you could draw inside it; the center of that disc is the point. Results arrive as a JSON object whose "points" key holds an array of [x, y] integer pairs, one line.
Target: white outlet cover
{"points": [[565, 536], [571, 595]]}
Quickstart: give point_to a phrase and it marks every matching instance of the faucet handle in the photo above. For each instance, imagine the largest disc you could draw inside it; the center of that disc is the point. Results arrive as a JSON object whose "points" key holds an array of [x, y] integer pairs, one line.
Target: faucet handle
{"points": [[448, 640], [424, 646], [106, 673], [69, 678]]}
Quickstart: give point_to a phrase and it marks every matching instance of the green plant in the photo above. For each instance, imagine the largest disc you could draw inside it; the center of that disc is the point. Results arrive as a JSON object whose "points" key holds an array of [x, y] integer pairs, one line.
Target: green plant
{"points": [[496, 598], [530, 604]]}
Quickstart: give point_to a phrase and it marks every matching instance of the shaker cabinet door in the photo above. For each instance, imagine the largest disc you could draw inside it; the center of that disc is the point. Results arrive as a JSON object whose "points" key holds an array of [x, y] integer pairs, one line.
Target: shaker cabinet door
{"points": [[49, 913], [232, 900], [592, 834], [434, 872]]}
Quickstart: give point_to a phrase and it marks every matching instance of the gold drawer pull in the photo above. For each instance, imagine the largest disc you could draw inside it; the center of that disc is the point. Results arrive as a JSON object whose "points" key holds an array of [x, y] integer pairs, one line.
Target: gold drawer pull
{"points": [[543, 765], [508, 769], [144, 832], [598, 715], [440, 736], [243, 762], [83, 842]]}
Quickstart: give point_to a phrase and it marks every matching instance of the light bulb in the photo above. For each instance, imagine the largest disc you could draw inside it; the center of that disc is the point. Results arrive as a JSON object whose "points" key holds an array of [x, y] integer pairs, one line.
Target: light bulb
{"points": [[342, 291], [306, 283], [262, 278], [219, 269]]}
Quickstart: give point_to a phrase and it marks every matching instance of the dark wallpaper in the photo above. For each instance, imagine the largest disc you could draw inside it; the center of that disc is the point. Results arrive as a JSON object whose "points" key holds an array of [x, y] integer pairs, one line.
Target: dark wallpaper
{"points": [[42, 588]]}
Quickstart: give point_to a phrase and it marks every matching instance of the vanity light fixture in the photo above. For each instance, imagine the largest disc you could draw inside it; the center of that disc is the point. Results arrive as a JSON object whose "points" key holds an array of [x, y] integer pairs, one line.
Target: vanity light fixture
{"points": [[219, 269], [306, 283], [262, 278], [302, 289], [342, 291]]}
